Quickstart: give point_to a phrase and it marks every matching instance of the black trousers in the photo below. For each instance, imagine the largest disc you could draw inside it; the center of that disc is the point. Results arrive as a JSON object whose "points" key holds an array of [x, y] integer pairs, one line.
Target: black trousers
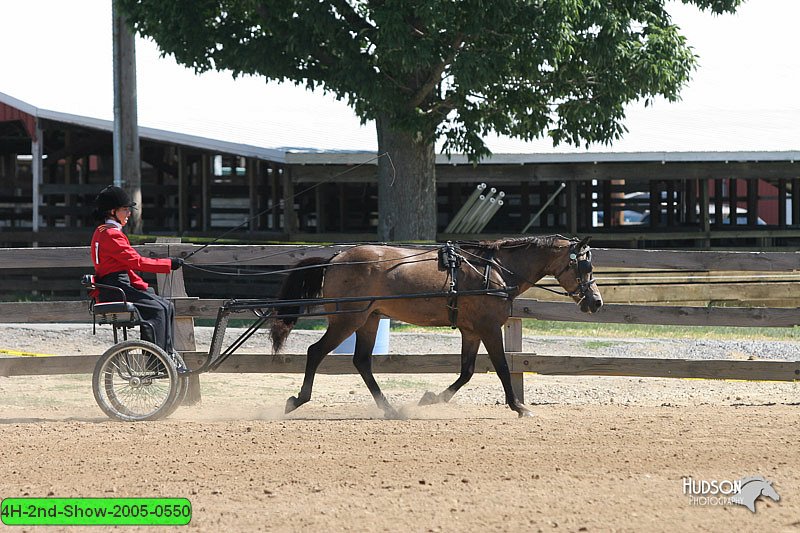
{"points": [[158, 311]]}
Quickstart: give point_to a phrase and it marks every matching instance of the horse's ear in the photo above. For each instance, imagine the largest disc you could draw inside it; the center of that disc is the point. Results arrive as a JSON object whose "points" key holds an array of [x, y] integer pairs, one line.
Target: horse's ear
{"points": [[584, 242]]}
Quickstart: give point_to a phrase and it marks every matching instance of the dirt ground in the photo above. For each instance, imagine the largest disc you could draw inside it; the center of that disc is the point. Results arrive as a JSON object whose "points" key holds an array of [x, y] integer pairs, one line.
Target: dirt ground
{"points": [[601, 454]]}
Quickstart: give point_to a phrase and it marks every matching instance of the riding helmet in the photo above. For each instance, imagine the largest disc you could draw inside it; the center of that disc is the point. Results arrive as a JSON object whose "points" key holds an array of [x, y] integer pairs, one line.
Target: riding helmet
{"points": [[113, 197]]}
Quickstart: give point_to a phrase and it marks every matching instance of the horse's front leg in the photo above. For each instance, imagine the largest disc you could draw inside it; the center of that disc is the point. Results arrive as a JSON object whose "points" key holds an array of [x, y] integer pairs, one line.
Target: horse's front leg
{"points": [[332, 338], [362, 360], [493, 340], [470, 342]]}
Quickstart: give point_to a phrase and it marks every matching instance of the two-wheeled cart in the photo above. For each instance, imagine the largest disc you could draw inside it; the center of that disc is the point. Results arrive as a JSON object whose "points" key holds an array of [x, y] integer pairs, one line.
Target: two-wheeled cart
{"points": [[137, 380]]}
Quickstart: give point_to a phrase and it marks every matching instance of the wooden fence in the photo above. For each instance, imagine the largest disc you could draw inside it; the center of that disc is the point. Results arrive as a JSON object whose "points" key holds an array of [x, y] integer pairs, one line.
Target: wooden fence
{"points": [[691, 263]]}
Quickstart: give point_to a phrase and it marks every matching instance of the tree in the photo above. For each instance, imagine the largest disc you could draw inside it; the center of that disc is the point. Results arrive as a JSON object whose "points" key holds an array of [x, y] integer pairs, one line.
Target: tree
{"points": [[442, 69]]}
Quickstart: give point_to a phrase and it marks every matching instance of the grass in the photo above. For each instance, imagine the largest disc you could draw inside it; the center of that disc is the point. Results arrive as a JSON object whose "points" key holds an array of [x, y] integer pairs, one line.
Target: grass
{"points": [[582, 329], [547, 328], [403, 384], [596, 345]]}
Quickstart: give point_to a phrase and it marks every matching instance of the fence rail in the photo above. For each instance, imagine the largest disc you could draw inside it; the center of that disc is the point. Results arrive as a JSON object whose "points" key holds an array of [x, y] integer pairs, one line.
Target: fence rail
{"points": [[281, 255]]}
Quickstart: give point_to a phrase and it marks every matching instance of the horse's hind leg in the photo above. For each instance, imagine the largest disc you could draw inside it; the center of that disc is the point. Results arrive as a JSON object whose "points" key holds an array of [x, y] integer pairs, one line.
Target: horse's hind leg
{"points": [[469, 351], [332, 338], [362, 359]]}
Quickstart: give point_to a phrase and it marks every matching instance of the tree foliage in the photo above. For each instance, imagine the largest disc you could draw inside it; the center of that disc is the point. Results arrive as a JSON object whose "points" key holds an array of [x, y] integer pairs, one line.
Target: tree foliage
{"points": [[457, 69], [445, 69]]}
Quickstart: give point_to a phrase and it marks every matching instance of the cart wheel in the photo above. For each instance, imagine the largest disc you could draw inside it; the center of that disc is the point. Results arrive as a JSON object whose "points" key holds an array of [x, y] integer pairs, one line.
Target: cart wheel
{"points": [[183, 388], [135, 380]]}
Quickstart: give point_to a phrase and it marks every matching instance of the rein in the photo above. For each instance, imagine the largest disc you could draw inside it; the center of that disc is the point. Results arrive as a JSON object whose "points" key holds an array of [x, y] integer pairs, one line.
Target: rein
{"points": [[450, 257], [580, 267], [308, 267]]}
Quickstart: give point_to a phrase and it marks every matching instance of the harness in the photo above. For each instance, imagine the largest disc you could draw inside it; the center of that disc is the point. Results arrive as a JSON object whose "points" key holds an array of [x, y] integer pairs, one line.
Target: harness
{"points": [[450, 260]]}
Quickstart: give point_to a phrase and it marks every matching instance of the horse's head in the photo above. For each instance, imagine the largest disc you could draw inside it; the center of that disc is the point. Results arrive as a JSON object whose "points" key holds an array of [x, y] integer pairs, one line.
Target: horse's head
{"points": [[575, 276], [769, 491]]}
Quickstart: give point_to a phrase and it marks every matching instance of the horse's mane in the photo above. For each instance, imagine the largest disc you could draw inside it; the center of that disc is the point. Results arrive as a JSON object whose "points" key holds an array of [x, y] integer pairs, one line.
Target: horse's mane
{"points": [[545, 241]]}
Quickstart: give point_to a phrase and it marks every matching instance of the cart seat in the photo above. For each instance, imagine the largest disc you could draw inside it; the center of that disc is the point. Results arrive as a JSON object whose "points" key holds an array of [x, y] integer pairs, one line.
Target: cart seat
{"points": [[106, 308], [120, 314]]}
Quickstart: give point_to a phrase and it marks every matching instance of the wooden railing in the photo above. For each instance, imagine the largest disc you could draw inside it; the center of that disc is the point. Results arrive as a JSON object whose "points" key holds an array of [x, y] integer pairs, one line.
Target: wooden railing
{"points": [[606, 260]]}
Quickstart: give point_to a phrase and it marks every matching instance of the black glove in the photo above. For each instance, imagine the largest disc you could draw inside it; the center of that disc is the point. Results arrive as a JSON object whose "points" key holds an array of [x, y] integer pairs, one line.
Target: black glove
{"points": [[177, 262]]}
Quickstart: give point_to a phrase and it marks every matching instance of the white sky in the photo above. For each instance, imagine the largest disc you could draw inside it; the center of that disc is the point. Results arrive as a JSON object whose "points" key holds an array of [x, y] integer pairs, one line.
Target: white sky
{"points": [[57, 55]]}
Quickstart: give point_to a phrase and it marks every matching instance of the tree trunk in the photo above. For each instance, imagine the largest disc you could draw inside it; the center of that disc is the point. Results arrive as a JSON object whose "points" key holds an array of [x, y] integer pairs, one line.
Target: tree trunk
{"points": [[406, 185], [127, 156]]}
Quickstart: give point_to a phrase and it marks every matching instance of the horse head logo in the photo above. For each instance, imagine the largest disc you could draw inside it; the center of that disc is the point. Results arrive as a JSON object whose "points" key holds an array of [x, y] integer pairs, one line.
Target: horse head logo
{"points": [[752, 489]]}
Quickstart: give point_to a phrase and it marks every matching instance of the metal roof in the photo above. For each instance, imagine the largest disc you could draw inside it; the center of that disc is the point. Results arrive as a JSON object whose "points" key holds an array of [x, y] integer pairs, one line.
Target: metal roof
{"points": [[357, 158], [334, 157], [205, 143]]}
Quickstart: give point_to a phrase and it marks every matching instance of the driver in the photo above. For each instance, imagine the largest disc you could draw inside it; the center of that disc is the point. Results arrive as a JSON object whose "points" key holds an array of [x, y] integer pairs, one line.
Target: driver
{"points": [[116, 262]]}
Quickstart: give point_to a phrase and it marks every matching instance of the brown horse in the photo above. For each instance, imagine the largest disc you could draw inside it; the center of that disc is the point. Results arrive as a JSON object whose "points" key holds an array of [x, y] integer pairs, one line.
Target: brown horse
{"points": [[379, 270]]}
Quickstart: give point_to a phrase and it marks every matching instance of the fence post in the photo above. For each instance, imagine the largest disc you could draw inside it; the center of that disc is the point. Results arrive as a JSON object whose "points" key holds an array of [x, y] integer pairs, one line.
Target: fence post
{"points": [[172, 286], [512, 335]]}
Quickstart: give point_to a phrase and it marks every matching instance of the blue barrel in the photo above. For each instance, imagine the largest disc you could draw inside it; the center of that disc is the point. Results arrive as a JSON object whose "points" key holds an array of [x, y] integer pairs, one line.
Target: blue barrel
{"points": [[381, 341]]}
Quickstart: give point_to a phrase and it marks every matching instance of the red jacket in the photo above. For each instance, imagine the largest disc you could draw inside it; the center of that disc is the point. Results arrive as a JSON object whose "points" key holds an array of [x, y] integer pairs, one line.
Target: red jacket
{"points": [[112, 252]]}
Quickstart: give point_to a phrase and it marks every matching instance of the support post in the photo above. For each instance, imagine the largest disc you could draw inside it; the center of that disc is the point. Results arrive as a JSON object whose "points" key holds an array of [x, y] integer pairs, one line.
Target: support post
{"points": [[752, 203], [289, 216], [572, 207], [183, 192], [274, 185], [127, 159], [704, 201], [782, 202], [37, 172], [719, 201], [205, 179], [252, 192], [512, 339], [172, 286]]}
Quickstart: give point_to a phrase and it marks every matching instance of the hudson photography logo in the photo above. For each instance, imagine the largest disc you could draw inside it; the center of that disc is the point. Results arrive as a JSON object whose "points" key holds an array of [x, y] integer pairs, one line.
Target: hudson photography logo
{"points": [[743, 491]]}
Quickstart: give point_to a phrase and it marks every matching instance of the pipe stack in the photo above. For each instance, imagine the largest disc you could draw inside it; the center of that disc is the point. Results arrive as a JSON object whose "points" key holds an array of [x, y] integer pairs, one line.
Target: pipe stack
{"points": [[477, 211]]}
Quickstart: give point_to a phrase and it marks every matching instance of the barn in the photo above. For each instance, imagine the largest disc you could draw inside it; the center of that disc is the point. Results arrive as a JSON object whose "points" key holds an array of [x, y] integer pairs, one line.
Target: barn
{"points": [[197, 186]]}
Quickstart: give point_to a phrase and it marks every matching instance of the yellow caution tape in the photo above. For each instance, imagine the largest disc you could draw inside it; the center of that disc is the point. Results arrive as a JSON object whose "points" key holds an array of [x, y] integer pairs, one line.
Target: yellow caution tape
{"points": [[25, 354]]}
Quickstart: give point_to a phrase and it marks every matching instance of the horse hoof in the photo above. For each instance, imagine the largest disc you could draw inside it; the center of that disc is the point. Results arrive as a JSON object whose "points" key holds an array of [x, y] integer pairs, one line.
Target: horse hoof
{"points": [[291, 405], [393, 414], [525, 413], [429, 398]]}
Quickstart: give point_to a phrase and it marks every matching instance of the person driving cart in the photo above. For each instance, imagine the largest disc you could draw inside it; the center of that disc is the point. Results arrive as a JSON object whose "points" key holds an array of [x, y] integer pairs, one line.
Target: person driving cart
{"points": [[116, 263]]}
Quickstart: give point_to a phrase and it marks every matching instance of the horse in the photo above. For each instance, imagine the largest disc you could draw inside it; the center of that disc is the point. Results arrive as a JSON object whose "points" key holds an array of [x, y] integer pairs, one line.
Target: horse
{"points": [[510, 266], [751, 489]]}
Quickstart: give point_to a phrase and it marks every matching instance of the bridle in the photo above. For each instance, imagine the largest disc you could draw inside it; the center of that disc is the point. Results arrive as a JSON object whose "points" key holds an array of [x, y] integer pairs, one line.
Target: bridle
{"points": [[580, 261], [580, 267]]}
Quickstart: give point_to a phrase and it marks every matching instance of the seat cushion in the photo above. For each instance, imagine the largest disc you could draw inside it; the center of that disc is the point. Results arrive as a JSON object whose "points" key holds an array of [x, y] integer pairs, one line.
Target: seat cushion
{"points": [[113, 307]]}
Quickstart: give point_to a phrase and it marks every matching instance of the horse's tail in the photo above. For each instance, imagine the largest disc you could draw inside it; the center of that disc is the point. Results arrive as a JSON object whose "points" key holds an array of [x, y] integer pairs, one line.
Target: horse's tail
{"points": [[305, 282]]}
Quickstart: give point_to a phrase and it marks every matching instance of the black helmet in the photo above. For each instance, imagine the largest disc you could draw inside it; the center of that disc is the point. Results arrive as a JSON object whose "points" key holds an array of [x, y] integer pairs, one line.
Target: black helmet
{"points": [[113, 197]]}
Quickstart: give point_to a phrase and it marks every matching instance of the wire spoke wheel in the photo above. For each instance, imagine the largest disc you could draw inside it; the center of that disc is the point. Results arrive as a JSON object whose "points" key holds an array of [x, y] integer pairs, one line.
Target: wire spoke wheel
{"points": [[182, 387], [136, 380]]}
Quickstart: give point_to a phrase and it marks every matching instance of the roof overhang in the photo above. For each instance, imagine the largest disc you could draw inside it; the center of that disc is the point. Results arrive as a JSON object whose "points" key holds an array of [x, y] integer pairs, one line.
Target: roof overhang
{"points": [[203, 143]]}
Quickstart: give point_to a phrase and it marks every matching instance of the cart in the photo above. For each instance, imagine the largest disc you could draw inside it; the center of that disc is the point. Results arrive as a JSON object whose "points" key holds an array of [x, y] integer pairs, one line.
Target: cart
{"points": [[136, 380]]}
